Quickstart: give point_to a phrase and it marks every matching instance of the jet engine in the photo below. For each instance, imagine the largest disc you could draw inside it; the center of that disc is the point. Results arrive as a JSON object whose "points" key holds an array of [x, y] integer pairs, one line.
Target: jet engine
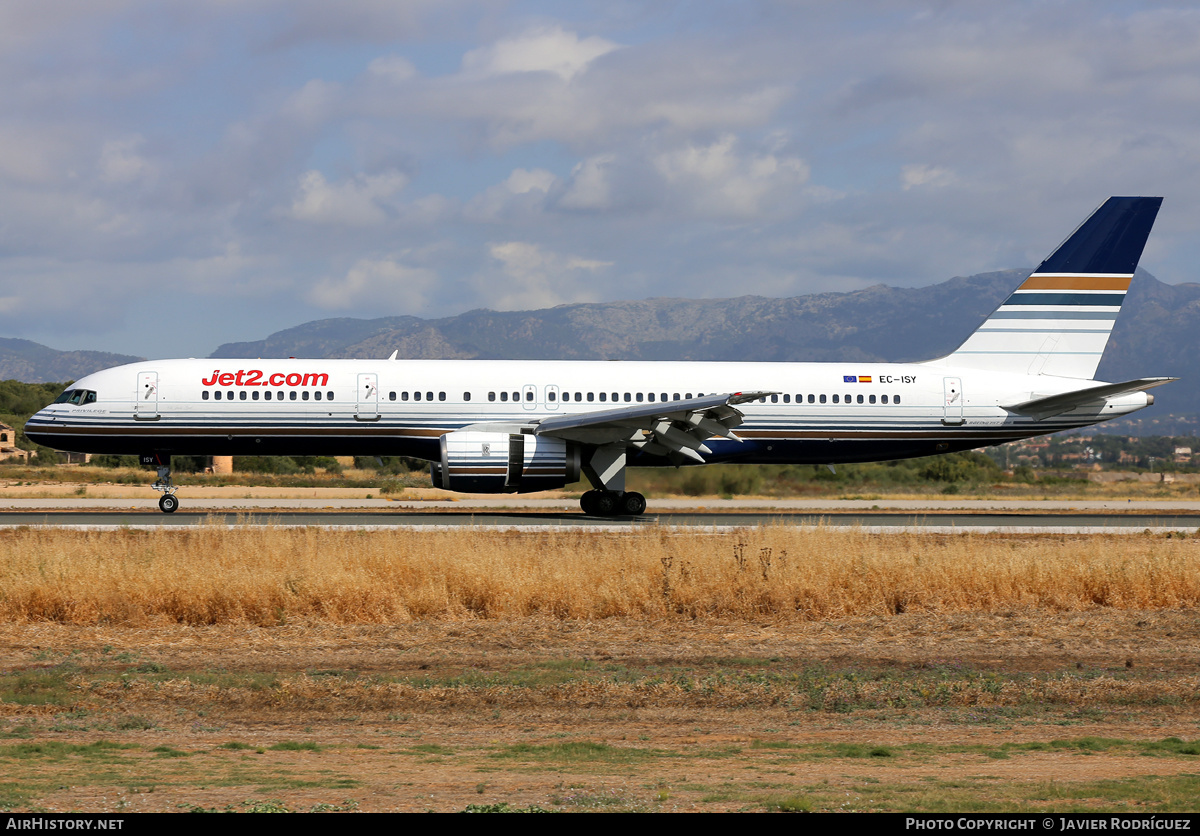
{"points": [[481, 462]]}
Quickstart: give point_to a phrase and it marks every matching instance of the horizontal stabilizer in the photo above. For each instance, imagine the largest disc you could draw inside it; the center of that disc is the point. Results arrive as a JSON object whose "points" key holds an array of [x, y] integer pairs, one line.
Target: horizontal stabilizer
{"points": [[1051, 405]]}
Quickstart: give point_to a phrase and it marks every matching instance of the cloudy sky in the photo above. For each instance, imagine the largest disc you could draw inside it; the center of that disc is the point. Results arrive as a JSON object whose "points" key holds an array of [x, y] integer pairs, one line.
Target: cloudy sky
{"points": [[175, 175]]}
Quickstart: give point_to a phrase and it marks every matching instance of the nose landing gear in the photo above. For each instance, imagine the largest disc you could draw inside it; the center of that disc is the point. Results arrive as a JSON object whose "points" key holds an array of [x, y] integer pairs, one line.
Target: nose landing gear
{"points": [[167, 503]]}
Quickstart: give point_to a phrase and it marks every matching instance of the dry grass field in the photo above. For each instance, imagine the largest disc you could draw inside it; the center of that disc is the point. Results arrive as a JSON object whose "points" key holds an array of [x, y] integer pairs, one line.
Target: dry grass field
{"points": [[655, 669]]}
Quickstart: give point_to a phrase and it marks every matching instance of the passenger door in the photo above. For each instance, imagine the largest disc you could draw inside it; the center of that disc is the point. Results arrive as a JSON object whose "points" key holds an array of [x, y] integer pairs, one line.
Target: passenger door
{"points": [[953, 410], [367, 408], [145, 405]]}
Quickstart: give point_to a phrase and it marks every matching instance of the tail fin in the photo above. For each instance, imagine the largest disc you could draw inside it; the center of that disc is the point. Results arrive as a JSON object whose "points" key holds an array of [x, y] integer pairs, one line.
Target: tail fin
{"points": [[1059, 320]]}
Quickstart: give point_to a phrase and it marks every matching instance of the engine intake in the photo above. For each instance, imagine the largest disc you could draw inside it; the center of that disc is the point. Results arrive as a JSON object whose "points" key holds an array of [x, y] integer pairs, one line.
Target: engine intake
{"points": [[476, 462]]}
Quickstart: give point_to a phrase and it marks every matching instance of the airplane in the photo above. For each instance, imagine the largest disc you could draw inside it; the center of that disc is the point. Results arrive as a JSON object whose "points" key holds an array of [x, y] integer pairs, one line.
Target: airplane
{"points": [[490, 426]]}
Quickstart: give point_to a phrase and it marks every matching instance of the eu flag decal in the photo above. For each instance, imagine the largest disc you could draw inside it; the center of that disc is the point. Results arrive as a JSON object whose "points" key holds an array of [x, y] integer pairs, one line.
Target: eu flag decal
{"points": [[849, 378]]}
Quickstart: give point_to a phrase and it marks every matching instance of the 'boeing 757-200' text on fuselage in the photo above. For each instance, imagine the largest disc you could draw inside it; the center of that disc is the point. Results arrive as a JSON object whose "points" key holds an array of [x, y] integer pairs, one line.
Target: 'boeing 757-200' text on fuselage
{"points": [[521, 426]]}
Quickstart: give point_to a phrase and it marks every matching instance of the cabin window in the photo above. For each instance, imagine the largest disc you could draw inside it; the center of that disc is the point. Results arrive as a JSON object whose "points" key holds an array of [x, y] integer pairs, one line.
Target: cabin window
{"points": [[329, 396], [279, 396], [416, 396], [688, 396], [391, 396], [579, 397], [787, 398], [871, 399], [836, 399], [550, 396], [429, 396], [860, 398], [217, 395], [603, 397], [504, 396], [811, 399], [304, 396], [640, 397], [823, 398], [267, 395], [291, 396], [895, 399], [242, 395], [774, 399], [529, 395], [316, 396], [591, 397], [466, 396], [650, 397], [675, 396], [254, 395], [204, 395], [491, 396], [883, 398], [516, 396]]}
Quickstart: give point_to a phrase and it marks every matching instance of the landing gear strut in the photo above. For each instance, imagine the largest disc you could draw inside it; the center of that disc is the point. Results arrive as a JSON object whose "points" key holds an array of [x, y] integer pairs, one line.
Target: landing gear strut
{"points": [[167, 503]]}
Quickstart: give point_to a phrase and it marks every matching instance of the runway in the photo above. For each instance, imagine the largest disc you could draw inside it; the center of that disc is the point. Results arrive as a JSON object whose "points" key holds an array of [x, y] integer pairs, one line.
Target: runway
{"points": [[537, 519]]}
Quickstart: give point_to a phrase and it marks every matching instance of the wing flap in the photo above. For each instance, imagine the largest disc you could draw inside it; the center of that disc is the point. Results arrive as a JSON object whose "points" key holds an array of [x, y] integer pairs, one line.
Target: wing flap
{"points": [[677, 430]]}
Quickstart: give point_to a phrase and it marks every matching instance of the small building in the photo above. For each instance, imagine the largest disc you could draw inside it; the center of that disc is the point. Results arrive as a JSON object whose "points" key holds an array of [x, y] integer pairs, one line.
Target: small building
{"points": [[8, 445]]}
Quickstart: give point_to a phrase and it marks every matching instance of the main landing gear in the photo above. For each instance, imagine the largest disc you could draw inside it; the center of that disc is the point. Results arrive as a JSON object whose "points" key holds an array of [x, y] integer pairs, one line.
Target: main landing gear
{"points": [[597, 503], [167, 503], [605, 469]]}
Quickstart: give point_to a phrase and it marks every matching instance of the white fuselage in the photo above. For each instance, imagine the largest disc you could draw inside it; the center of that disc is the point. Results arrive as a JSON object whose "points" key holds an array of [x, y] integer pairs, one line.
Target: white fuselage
{"points": [[823, 412]]}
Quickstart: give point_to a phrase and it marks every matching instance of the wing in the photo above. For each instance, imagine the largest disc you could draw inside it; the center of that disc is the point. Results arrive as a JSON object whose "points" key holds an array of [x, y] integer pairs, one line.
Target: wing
{"points": [[676, 430]]}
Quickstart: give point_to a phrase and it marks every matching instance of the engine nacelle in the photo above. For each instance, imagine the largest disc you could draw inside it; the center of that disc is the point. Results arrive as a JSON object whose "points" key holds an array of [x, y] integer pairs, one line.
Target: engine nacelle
{"points": [[475, 462]]}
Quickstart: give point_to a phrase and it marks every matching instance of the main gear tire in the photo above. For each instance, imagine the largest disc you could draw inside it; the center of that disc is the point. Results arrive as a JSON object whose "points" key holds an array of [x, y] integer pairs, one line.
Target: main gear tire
{"points": [[633, 504]]}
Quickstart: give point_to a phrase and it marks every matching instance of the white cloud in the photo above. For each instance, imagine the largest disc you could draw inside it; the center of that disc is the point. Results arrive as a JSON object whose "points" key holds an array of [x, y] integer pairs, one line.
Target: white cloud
{"points": [[120, 161], [523, 191], [549, 49], [375, 284], [590, 187], [717, 180], [535, 277], [915, 175], [392, 68], [361, 201]]}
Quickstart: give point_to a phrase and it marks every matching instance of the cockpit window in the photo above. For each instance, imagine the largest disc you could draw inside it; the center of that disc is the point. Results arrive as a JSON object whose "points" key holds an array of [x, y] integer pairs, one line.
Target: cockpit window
{"points": [[77, 396]]}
